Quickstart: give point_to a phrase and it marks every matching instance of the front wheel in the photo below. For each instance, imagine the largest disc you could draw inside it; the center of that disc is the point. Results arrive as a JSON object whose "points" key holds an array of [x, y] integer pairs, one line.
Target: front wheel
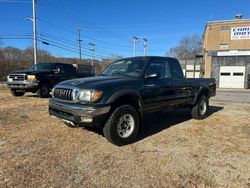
{"points": [[17, 93], [43, 91], [200, 110], [122, 126]]}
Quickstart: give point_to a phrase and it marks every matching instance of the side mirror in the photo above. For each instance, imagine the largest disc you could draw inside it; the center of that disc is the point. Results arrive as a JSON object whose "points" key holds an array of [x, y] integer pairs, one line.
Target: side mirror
{"points": [[152, 75]]}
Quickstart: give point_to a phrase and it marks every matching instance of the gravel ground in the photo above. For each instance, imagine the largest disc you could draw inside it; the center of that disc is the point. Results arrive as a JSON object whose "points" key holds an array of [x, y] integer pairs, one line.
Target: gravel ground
{"points": [[172, 151]]}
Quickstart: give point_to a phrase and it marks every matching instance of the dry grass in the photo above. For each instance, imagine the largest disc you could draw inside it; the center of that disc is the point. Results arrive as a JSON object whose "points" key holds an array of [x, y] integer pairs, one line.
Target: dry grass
{"points": [[173, 151]]}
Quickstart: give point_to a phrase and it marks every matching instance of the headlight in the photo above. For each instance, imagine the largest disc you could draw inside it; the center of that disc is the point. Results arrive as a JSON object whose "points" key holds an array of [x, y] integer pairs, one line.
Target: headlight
{"points": [[89, 95], [52, 91], [31, 77]]}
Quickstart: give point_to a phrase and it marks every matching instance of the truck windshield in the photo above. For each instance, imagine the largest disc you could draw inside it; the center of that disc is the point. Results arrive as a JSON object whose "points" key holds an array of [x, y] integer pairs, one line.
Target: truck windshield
{"points": [[43, 67], [133, 68]]}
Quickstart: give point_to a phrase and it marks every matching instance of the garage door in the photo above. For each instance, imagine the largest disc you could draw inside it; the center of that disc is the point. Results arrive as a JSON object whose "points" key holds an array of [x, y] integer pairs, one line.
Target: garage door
{"points": [[232, 76]]}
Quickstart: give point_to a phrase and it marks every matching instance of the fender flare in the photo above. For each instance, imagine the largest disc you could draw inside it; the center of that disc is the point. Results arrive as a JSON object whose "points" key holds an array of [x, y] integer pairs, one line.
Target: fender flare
{"points": [[197, 95], [123, 93], [126, 92]]}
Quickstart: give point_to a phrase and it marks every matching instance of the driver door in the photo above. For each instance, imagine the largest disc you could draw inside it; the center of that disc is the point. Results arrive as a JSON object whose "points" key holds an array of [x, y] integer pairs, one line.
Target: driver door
{"points": [[158, 90]]}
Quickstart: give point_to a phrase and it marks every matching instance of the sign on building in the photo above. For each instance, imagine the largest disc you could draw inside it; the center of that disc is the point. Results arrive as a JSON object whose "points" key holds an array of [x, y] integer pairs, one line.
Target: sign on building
{"points": [[233, 53], [240, 33]]}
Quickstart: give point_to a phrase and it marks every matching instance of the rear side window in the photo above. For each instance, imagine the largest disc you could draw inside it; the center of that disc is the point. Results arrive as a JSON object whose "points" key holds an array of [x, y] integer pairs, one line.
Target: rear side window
{"points": [[69, 68], [159, 66], [175, 68]]}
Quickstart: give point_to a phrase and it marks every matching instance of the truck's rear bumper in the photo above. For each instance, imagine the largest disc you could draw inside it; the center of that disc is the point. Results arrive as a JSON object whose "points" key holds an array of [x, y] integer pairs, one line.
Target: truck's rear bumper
{"points": [[78, 114]]}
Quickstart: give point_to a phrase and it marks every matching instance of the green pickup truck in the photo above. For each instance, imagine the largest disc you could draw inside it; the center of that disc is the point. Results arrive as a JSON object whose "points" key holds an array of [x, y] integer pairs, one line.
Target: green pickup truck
{"points": [[127, 89]]}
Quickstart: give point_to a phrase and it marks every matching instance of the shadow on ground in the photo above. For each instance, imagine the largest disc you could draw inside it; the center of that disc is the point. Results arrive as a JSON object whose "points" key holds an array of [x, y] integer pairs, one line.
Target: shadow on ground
{"points": [[35, 96], [159, 121]]}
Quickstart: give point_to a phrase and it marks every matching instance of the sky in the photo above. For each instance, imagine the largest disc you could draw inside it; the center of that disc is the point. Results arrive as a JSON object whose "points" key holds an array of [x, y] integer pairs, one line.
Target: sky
{"points": [[110, 24]]}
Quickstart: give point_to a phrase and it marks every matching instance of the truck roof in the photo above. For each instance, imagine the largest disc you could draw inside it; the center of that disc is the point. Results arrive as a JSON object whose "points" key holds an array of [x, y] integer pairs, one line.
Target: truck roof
{"points": [[148, 57], [54, 63]]}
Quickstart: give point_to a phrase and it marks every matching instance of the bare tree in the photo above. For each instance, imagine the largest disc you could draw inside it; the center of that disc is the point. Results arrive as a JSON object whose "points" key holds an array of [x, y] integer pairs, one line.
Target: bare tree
{"points": [[188, 47]]}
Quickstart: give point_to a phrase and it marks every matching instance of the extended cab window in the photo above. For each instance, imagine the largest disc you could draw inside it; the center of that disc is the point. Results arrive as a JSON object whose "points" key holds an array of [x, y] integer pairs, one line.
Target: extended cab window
{"points": [[176, 70], [69, 69], [159, 67]]}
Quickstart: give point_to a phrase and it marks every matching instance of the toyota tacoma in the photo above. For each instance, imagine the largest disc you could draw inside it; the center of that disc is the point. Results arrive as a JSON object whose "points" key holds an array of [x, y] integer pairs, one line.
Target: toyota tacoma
{"points": [[128, 88]]}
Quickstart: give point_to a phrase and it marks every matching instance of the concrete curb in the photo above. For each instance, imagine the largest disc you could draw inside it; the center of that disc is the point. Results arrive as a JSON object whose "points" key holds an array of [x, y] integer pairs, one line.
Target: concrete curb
{"points": [[234, 90]]}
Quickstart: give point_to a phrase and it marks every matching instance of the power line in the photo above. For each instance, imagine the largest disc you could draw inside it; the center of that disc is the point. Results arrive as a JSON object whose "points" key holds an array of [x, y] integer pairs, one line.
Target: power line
{"points": [[13, 1], [45, 37], [45, 41], [67, 14], [54, 37], [68, 49], [56, 25], [88, 37], [12, 18], [64, 46], [57, 38], [16, 37]]}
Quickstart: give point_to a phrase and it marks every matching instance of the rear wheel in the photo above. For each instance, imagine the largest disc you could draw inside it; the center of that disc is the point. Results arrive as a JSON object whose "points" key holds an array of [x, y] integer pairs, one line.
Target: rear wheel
{"points": [[122, 126], [43, 91], [17, 93], [200, 110]]}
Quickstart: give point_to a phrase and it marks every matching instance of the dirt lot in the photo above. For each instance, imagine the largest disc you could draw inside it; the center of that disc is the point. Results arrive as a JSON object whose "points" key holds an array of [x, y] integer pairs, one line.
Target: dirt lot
{"points": [[173, 150]]}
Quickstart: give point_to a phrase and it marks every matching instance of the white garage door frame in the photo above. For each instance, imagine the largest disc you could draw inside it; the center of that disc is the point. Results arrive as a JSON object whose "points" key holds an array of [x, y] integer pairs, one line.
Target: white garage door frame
{"points": [[232, 76]]}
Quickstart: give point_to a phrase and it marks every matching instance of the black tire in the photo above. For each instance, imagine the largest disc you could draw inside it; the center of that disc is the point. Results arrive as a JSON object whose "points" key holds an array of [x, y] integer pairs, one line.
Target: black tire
{"points": [[43, 91], [16, 93], [111, 127], [200, 110]]}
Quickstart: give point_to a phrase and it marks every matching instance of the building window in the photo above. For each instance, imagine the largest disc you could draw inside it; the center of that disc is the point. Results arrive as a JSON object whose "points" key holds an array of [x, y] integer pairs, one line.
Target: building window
{"points": [[224, 27], [225, 74], [223, 46], [238, 74]]}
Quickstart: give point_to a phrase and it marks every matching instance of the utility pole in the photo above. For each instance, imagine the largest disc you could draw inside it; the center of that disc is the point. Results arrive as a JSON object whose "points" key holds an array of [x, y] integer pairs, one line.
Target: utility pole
{"points": [[34, 30], [135, 40], [92, 49], [145, 45], [79, 44], [186, 46]]}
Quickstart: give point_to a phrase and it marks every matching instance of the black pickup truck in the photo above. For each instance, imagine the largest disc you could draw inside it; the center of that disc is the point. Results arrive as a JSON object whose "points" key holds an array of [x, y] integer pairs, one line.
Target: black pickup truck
{"points": [[126, 90], [41, 78]]}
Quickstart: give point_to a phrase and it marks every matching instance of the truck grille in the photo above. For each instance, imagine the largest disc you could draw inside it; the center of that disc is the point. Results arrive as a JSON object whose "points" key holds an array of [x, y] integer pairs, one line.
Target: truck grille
{"points": [[63, 94], [17, 77]]}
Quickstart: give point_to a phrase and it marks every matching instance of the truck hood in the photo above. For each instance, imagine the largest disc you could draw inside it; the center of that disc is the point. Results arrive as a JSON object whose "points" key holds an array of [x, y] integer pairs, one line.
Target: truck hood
{"points": [[100, 82]]}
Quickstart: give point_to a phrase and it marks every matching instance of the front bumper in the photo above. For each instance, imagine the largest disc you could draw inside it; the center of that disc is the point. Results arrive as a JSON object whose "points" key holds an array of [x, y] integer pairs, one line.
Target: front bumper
{"points": [[22, 84], [78, 114]]}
